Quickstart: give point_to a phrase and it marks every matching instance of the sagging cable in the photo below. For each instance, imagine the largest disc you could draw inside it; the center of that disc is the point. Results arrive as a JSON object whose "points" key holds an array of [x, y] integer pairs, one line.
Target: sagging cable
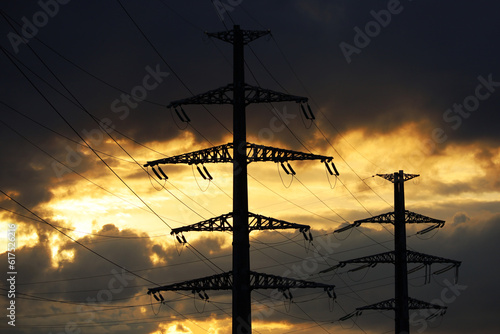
{"points": [[209, 178], [203, 297], [182, 241]]}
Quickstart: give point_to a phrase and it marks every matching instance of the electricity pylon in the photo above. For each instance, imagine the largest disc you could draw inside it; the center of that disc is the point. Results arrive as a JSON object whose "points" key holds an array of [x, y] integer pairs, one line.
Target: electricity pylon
{"points": [[400, 257], [240, 153]]}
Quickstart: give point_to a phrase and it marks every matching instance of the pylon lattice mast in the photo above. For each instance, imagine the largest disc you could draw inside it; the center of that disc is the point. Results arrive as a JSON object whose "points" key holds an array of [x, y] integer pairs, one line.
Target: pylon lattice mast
{"points": [[257, 222], [400, 257], [241, 281]]}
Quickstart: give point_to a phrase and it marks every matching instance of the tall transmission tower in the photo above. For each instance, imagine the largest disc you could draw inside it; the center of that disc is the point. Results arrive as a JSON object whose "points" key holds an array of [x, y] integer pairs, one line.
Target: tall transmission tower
{"points": [[400, 257], [241, 280]]}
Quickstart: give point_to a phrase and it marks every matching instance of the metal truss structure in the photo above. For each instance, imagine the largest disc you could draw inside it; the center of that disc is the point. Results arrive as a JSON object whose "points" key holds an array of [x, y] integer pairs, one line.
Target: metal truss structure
{"points": [[411, 257], [406, 177], [240, 153], [390, 304], [224, 95], [246, 35], [390, 218], [400, 257], [256, 222]]}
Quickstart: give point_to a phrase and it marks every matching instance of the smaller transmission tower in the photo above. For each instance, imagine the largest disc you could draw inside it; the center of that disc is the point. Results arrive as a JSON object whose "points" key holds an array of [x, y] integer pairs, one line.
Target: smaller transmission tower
{"points": [[400, 257]]}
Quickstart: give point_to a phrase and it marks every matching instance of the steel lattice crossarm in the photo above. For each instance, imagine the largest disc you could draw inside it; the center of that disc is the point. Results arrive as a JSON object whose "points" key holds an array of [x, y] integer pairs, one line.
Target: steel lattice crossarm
{"points": [[389, 217], [389, 257], [224, 95], [224, 281], [406, 177], [390, 304], [222, 153], [248, 35], [269, 153], [257, 222]]}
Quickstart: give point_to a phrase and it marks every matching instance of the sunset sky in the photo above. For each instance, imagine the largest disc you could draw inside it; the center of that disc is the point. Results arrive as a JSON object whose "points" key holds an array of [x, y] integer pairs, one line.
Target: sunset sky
{"points": [[394, 85]]}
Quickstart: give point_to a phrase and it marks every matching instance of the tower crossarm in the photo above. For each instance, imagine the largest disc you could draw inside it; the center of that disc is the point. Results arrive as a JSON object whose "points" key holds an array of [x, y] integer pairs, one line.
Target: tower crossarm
{"points": [[257, 222], [223, 153], [224, 95]]}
